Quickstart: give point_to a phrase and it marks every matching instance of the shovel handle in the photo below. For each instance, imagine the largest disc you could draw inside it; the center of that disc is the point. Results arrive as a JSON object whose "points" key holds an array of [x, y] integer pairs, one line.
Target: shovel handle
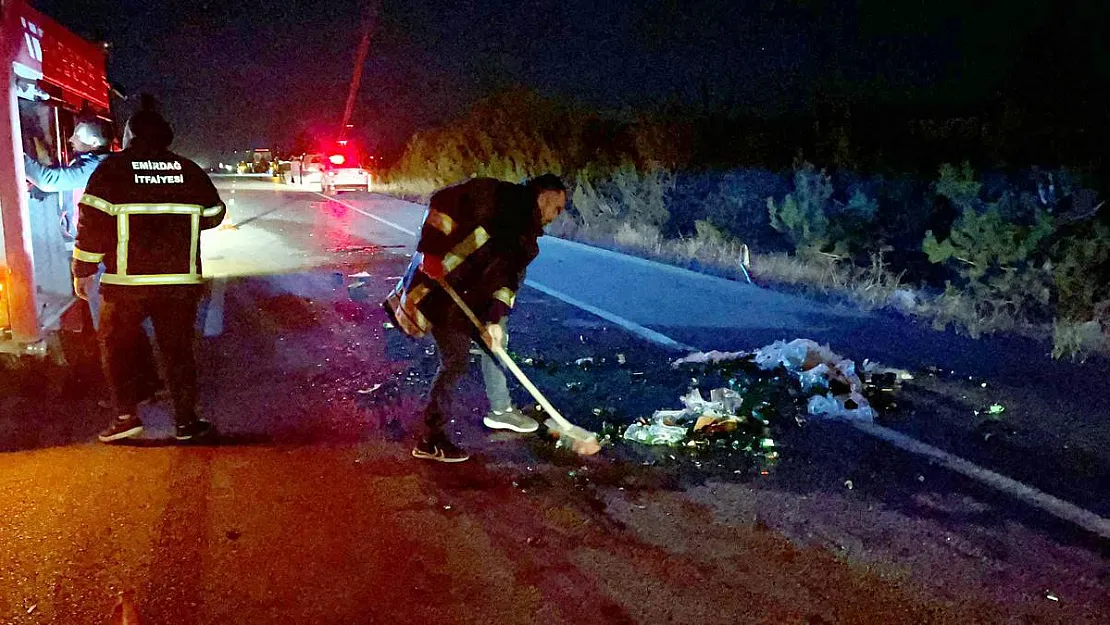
{"points": [[507, 361]]}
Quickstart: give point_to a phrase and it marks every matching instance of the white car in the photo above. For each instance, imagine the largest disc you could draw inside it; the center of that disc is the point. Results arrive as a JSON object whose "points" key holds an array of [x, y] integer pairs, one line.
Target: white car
{"points": [[310, 170], [342, 171]]}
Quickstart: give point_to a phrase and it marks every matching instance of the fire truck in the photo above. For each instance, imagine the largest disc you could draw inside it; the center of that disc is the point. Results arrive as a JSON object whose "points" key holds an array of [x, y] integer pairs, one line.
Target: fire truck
{"points": [[49, 76]]}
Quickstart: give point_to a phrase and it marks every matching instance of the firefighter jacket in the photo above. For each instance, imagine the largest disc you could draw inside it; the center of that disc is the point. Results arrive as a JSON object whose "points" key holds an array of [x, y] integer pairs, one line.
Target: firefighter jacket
{"points": [[486, 231], [141, 216]]}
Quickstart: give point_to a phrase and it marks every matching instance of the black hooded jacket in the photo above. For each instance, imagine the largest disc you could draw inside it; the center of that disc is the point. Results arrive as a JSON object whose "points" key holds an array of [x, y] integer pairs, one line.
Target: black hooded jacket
{"points": [[141, 216], [486, 231]]}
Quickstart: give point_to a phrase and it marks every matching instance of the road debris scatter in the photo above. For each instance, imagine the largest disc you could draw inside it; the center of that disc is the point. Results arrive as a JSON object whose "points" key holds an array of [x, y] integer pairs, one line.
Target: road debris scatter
{"points": [[749, 392]]}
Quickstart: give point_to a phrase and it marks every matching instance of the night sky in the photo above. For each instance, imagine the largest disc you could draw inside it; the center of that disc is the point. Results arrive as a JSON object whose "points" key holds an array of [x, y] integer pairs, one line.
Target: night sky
{"points": [[235, 74]]}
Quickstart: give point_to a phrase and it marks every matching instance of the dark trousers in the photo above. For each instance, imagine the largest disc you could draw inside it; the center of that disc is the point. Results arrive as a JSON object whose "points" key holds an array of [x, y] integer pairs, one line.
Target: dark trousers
{"points": [[454, 353], [454, 361], [123, 351]]}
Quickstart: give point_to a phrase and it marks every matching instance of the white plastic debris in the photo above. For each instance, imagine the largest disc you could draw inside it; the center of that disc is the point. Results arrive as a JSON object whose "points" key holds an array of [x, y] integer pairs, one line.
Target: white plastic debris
{"points": [[669, 416], [817, 377], [656, 433], [367, 391], [694, 402], [818, 368], [727, 399], [852, 407], [832, 381], [713, 357], [670, 427], [797, 355]]}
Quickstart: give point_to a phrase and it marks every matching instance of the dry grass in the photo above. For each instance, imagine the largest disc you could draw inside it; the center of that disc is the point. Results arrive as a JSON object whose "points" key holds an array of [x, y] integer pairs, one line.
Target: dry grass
{"points": [[1076, 340], [960, 310], [704, 253]]}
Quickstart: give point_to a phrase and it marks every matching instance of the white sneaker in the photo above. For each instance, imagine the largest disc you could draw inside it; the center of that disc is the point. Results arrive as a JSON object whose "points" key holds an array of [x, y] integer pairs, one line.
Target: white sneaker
{"points": [[511, 419]]}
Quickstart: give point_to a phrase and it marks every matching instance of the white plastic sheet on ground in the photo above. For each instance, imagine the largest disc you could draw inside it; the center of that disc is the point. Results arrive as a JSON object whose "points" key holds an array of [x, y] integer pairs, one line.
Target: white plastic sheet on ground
{"points": [[834, 385], [655, 433], [713, 357], [669, 427], [818, 370], [817, 367]]}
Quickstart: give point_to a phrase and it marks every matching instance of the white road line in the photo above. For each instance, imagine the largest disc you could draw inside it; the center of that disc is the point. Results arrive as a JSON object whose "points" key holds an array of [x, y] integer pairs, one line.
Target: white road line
{"points": [[1039, 499], [214, 317], [1034, 497], [370, 215], [631, 326]]}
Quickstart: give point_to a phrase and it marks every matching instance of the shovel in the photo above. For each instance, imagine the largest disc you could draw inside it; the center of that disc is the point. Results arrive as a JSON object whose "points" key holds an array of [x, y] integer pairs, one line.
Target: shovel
{"points": [[581, 441]]}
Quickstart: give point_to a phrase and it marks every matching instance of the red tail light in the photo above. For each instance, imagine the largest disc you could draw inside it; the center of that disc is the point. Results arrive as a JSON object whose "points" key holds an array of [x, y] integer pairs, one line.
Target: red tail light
{"points": [[337, 159]]}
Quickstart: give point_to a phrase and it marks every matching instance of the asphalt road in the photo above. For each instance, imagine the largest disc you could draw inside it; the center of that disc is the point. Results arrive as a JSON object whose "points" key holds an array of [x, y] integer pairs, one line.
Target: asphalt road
{"points": [[310, 510]]}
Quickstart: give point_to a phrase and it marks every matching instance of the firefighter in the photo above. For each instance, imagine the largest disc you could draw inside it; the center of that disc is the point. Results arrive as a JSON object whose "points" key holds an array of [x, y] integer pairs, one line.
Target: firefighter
{"points": [[478, 236], [141, 217]]}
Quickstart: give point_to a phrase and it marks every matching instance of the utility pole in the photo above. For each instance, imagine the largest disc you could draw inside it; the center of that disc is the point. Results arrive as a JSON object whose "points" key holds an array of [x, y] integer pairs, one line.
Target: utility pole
{"points": [[369, 16]]}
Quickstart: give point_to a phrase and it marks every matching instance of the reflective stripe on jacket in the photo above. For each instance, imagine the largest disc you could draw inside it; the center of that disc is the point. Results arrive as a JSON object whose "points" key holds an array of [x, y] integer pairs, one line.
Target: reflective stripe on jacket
{"points": [[141, 217], [486, 232]]}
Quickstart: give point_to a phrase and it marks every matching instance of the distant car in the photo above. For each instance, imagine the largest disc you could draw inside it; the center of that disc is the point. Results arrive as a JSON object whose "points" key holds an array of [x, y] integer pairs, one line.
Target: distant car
{"points": [[343, 171], [311, 169]]}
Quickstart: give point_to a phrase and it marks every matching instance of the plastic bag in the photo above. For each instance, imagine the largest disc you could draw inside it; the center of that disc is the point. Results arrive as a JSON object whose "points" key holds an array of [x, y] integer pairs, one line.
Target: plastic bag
{"points": [[708, 358], [655, 433], [852, 407]]}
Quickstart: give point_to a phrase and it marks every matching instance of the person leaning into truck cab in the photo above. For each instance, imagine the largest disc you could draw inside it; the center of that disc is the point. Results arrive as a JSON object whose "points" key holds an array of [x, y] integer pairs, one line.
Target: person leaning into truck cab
{"points": [[90, 142], [141, 217]]}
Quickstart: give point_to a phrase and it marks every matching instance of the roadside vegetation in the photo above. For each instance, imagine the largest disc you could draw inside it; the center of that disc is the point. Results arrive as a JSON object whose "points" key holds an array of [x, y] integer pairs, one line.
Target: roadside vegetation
{"points": [[993, 248]]}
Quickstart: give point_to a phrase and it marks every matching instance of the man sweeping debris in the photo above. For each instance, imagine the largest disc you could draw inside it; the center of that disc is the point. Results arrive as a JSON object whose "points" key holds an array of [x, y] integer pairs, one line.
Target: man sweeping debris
{"points": [[477, 240]]}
